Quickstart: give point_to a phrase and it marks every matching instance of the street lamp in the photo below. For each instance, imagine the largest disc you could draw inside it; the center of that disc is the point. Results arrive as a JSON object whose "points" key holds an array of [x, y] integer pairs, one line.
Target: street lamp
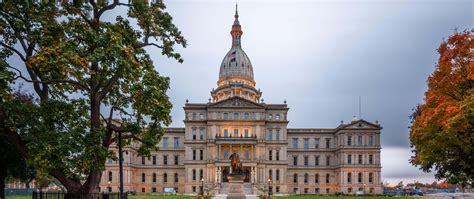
{"points": [[202, 186], [364, 191], [108, 186], [269, 180]]}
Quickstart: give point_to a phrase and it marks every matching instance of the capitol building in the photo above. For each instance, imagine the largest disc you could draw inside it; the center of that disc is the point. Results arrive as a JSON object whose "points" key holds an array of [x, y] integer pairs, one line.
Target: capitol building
{"points": [[275, 158]]}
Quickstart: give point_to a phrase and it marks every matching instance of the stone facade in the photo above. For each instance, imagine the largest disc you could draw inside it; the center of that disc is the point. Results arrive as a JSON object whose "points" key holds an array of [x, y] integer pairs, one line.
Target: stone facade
{"points": [[276, 158]]}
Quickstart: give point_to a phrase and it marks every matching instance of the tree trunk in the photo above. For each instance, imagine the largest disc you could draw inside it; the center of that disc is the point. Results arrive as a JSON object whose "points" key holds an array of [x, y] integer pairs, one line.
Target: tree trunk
{"points": [[3, 175]]}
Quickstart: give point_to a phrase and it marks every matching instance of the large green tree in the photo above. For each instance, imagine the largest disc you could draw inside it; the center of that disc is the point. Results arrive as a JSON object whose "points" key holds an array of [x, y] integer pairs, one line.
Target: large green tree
{"points": [[84, 72], [442, 131]]}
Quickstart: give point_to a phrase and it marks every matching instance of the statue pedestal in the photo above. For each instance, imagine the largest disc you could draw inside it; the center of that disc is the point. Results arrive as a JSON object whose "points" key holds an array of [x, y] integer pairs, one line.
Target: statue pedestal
{"points": [[236, 186]]}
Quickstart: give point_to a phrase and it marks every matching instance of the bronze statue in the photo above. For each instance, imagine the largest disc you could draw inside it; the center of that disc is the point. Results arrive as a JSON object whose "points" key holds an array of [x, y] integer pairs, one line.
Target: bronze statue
{"points": [[235, 164]]}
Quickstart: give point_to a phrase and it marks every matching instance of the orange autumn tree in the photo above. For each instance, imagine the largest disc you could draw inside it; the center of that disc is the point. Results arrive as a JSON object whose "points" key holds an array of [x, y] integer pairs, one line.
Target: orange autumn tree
{"points": [[442, 126]]}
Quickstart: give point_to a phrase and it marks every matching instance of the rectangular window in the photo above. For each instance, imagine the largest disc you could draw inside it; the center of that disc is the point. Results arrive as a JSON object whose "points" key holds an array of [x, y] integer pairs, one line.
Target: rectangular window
{"points": [[194, 133], [270, 116], [349, 159], [246, 154], [201, 134], [153, 189], [165, 178], [143, 177], [277, 189], [360, 159], [270, 134], [277, 177], [165, 160], [201, 154], [277, 134], [194, 189], [306, 143], [226, 154], [371, 157], [194, 116], [359, 178], [295, 160], [143, 160], [316, 160], [154, 177], [176, 159], [328, 143], [316, 190], [349, 177], [194, 154], [270, 155], [201, 116], [295, 143], [226, 115], [246, 133], [359, 140], [328, 160], [226, 133], [277, 156], [154, 160], [316, 178], [349, 140], [176, 142], [316, 143], [371, 178], [371, 140], [306, 158], [194, 174], [327, 178], [236, 115], [201, 174], [236, 133], [165, 142], [246, 115]]}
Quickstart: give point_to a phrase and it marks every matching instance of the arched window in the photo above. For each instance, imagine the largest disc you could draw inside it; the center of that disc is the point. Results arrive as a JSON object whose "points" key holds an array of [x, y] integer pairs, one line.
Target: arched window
{"points": [[143, 177], [176, 177], [110, 176], [165, 177], [306, 176], [295, 178]]}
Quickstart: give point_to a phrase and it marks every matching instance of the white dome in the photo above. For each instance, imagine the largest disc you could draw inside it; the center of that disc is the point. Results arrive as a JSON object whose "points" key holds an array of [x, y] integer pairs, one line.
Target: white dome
{"points": [[236, 64]]}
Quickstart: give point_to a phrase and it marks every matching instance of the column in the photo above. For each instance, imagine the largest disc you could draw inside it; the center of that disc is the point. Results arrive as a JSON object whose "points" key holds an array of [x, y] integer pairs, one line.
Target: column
{"points": [[230, 149], [218, 152], [240, 153]]}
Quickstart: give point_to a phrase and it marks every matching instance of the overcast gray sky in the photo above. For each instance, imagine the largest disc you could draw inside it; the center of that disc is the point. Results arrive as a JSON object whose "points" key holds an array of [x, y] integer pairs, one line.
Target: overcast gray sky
{"points": [[321, 56]]}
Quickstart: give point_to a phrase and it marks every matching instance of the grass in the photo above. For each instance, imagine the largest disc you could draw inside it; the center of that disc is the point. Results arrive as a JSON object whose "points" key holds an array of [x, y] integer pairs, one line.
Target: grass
{"points": [[335, 197], [279, 197]]}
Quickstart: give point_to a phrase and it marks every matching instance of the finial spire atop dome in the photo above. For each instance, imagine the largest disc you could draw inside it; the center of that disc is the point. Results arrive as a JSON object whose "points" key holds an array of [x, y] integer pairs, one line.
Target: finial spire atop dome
{"points": [[236, 31]]}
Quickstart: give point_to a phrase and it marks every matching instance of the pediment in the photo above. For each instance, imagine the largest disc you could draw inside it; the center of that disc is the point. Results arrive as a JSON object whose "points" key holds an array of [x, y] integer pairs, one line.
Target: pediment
{"points": [[237, 102], [362, 124]]}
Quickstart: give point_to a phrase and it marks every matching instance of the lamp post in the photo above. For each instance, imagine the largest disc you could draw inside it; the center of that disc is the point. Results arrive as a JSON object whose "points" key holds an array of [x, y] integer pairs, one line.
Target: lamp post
{"points": [[202, 186], [269, 193], [108, 186], [364, 191], [120, 164]]}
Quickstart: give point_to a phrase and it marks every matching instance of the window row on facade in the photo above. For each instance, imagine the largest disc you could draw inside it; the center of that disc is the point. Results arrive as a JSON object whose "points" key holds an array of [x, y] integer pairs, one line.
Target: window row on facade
{"points": [[238, 115], [315, 144], [359, 159], [359, 140], [153, 177], [153, 160], [176, 142]]}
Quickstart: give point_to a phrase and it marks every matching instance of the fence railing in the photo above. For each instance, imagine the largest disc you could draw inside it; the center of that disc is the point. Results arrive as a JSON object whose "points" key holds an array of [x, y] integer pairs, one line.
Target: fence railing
{"points": [[65, 195]]}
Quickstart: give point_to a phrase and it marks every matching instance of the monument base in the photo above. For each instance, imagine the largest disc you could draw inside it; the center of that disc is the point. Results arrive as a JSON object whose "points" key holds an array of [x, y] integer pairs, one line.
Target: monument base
{"points": [[236, 186]]}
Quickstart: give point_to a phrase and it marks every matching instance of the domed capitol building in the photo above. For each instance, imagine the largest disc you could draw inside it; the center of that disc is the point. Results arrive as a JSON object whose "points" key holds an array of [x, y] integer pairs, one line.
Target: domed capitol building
{"points": [[274, 157]]}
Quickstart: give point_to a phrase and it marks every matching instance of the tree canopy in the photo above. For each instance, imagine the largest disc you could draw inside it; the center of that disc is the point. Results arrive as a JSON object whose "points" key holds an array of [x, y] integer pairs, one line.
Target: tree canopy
{"points": [[84, 72], [442, 126]]}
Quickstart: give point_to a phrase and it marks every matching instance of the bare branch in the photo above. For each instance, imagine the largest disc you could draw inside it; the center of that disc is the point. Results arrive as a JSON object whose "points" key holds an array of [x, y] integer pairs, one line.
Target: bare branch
{"points": [[109, 7], [144, 44], [22, 57]]}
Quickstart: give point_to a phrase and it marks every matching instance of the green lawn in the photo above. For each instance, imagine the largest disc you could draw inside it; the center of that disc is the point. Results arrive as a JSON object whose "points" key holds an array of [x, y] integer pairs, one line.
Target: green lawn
{"points": [[130, 197], [335, 197]]}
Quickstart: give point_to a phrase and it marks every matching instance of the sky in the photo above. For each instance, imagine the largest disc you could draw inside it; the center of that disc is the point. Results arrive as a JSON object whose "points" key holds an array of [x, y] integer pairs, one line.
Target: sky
{"points": [[321, 56]]}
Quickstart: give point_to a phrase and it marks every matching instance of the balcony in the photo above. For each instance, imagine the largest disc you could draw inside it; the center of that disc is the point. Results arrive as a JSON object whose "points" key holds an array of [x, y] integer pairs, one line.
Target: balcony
{"points": [[236, 138]]}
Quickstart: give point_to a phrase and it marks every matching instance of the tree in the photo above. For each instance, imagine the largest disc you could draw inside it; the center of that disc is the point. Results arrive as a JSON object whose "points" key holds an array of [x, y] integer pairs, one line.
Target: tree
{"points": [[13, 166], [84, 71], [442, 127], [399, 185]]}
